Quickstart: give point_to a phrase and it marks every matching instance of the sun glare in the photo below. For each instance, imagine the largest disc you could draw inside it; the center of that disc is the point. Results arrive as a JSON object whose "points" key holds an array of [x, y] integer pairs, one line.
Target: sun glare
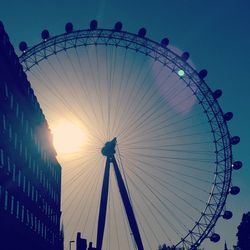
{"points": [[68, 138]]}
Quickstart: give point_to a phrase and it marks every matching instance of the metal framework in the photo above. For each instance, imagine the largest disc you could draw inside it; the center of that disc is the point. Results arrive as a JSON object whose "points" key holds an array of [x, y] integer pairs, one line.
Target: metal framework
{"points": [[203, 227], [109, 151]]}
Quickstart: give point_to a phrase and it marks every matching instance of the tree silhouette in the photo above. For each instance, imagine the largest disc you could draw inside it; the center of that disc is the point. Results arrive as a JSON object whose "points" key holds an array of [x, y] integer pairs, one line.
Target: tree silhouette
{"points": [[244, 232], [165, 247]]}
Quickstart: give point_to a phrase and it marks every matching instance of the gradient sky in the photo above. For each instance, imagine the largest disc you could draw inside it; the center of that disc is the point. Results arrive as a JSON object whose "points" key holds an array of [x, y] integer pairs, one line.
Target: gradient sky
{"points": [[216, 34]]}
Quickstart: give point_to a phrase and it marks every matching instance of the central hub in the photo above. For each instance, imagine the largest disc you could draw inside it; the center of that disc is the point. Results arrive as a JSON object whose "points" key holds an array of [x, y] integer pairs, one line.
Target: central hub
{"points": [[109, 148]]}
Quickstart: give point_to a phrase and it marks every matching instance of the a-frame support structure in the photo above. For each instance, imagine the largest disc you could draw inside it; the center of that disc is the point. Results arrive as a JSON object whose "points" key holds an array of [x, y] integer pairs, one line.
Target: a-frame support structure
{"points": [[109, 151]]}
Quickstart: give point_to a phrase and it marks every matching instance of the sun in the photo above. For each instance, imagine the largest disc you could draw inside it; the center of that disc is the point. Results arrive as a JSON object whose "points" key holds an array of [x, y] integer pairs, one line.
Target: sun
{"points": [[68, 137]]}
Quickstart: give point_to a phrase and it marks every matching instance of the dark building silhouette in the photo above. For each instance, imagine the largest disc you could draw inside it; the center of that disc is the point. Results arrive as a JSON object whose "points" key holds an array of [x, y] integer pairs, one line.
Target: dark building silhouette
{"points": [[81, 244], [30, 176]]}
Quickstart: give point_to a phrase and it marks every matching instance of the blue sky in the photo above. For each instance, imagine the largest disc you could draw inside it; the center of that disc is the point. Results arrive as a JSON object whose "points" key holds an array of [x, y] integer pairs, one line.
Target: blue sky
{"points": [[215, 33]]}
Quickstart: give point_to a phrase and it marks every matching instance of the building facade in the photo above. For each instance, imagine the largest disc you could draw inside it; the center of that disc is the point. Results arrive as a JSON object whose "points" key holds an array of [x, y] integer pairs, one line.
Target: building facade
{"points": [[30, 176]]}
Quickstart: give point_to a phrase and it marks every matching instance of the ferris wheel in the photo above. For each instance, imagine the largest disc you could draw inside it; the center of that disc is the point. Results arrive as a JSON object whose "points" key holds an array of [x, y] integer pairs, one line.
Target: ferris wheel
{"points": [[156, 166]]}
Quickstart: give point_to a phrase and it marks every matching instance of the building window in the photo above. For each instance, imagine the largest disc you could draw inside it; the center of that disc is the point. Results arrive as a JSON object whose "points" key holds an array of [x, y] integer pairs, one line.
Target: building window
{"points": [[39, 229], [45, 232], [17, 209], [22, 119], [36, 196], [1, 194], [42, 229], [26, 127], [15, 140], [22, 214], [28, 189], [34, 166], [17, 110], [12, 205], [27, 217], [14, 173], [6, 200], [29, 162], [24, 184], [32, 193], [6, 91], [8, 165], [19, 178], [20, 148], [4, 122], [35, 224], [31, 220], [11, 102], [10, 132], [1, 158], [31, 133], [25, 154]]}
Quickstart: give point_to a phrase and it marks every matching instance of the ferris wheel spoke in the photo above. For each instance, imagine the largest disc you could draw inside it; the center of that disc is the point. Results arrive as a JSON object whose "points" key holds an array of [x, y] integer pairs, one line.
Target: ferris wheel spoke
{"points": [[163, 171], [79, 81], [118, 101], [174, 172], [57, 93], [197, 137], [83, 202], [74, 171], [159, 124], [113, 69], [156, 105], [159, 197], [147, 223], [172, 163], [74, 202], [155, 115], [134, 113], [133, 93], [84, 85], [131, 68], [139, 127], [166, 185], [167, 204], [162, 157], [162, 230], [75, 176], [69, 193], [138, 69], [156, 209]]}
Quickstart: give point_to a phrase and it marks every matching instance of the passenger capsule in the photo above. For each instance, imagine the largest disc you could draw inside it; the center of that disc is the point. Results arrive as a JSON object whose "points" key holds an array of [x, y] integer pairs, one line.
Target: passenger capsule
{"points": [[23, 46], [235, 140], [118, 26], [228, 116], [69, 27], [93, 25], [215, 237], [142, 32], [217, 93], [237, 165], [234, 190], [164, 42], [45, 35], [203, 74], [185, 56], [227, 215]]}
